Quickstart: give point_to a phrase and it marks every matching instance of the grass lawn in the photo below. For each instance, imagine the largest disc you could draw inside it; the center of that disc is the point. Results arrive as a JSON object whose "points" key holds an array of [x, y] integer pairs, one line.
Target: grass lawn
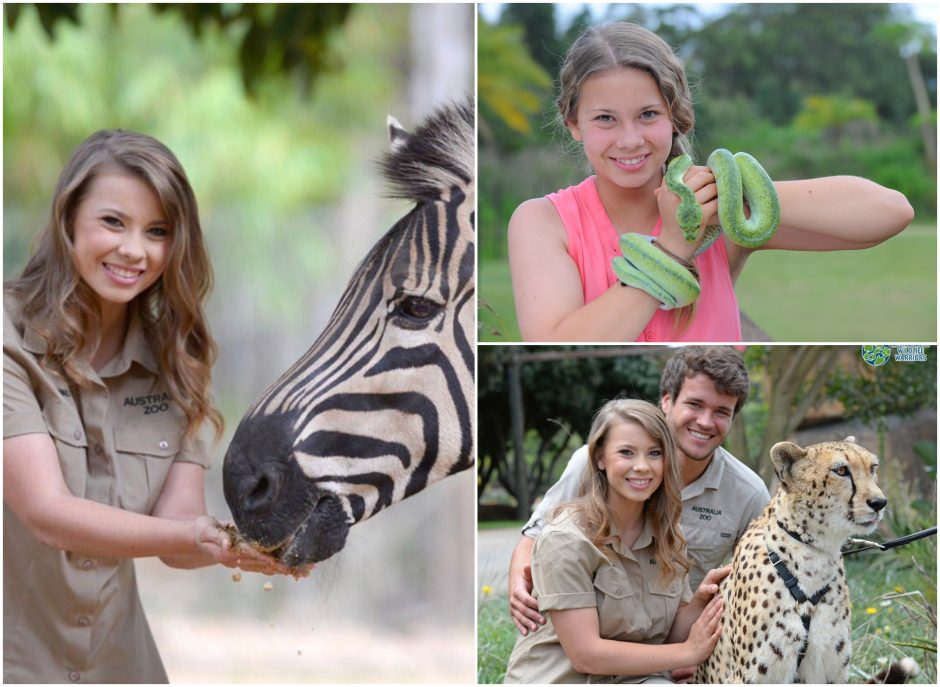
{"points": [[893, 615], [885, 294]]}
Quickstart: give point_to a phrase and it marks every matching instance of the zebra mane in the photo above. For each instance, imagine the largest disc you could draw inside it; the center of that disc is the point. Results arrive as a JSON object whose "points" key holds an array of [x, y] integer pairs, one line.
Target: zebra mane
{"points": [[436, 157]]}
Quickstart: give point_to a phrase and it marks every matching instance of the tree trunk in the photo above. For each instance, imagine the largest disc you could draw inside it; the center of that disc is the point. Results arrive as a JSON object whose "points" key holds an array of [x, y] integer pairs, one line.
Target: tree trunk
{"points": [[923, 109]]}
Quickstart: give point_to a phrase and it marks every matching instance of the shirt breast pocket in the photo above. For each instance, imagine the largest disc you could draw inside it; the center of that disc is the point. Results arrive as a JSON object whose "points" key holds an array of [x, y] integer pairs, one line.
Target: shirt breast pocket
{"points": [[145, 453], [707, 546], [619, 612], [71, 444], [664, 598]]}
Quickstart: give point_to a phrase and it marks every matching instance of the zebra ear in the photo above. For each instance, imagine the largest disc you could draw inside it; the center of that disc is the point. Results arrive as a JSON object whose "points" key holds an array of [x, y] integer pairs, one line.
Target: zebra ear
{"points": [[397, 135]]}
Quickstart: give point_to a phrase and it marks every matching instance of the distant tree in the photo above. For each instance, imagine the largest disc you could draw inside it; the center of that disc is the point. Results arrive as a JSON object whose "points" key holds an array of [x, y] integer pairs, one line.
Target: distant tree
{"points": [[836, 116], [538, 23], [510, 83], [576, 27], [280, 38], [790, 380], [776, 54], [871, 394], [559, 398]]}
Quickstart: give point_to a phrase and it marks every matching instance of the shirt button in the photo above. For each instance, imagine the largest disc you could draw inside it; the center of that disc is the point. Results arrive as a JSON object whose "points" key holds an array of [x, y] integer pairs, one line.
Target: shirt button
{"points": [[649, 336], [164, 444], [99, 449], [87, 564], [84, 620], [619, 590], [75, 676], [77, 434]]}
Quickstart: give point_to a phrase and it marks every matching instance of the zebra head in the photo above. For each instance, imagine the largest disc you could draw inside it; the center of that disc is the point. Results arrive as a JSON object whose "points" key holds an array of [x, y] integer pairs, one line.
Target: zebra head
{"points": [[381, 404]]}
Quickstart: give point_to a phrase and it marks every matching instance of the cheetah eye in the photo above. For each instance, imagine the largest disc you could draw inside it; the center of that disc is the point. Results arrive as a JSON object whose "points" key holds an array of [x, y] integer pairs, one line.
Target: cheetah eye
{"points": [[842, 470]]}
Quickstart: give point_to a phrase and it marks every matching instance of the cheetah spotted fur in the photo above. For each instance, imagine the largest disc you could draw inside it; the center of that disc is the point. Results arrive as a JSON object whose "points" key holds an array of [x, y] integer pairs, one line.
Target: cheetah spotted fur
{"points": [[827, 493]]}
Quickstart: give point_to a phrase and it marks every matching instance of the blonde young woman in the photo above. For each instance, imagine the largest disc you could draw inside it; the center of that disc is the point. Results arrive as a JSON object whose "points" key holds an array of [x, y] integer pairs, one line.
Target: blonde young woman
{"points": [[610, 570], [624, 97], [106, 371]]}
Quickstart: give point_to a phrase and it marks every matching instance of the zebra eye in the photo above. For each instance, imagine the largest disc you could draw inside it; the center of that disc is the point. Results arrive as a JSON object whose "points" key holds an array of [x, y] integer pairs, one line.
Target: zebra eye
{"points": [[416, 311]]}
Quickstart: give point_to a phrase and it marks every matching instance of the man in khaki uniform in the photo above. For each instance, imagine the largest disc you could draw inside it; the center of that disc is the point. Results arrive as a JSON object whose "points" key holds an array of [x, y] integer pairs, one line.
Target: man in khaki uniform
{"points": [[702, 388], [116, 442], [626, 610]]}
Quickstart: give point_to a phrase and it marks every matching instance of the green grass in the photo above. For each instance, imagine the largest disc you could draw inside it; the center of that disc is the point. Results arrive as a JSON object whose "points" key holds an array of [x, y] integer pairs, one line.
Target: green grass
{"points": [[497, 313], [496, 636], [886, 293], [899, 586]]}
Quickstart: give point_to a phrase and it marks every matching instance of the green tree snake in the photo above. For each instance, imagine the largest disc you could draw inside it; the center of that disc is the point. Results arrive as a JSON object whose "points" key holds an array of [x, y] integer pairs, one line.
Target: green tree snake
{"points": [[740, 179]]}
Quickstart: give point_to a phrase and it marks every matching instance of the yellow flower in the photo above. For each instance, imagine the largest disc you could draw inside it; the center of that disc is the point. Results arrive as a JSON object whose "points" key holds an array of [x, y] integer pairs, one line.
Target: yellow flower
{"points": [[899, 589], [487, 590], [871, 611]]}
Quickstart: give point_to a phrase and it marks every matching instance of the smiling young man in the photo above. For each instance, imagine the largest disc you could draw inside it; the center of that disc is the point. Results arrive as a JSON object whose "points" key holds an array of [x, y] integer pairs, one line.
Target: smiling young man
{"points": [[701, 390]]}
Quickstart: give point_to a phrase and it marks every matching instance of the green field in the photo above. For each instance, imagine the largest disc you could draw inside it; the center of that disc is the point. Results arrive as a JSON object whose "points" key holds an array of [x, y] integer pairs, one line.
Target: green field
{"points": [[886, 293]]}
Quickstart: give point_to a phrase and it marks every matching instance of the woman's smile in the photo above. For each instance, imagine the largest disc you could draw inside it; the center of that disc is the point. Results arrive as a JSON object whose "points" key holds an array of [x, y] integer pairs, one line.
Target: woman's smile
{"points": [[631, 164], [124, 276], [639, 483]]}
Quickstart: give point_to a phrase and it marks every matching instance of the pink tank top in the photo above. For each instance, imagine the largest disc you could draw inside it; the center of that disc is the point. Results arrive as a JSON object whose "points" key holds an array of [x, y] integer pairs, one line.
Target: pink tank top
{"points": [[593, 243]]}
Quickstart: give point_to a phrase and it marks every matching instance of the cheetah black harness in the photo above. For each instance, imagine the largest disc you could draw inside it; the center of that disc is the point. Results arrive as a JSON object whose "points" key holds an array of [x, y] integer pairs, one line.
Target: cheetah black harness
{"points": [[796, 591]]}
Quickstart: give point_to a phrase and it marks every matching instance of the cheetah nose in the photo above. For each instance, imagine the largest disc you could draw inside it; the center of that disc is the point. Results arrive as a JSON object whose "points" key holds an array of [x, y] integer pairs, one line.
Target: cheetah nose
{"points": [[877, 504]]}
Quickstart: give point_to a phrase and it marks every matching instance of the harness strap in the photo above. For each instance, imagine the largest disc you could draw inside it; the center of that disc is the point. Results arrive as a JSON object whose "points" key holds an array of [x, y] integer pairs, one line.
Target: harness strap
{"points": [[797, 593]]}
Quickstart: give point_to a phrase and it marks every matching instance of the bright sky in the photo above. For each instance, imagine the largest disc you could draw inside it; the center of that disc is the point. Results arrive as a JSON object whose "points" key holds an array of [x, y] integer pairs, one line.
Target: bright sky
{"points": [[924, 11]]}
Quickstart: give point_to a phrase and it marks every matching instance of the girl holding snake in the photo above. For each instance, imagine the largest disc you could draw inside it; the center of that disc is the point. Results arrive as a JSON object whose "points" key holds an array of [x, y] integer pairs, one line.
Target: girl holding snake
{"points": [[625, 98]]}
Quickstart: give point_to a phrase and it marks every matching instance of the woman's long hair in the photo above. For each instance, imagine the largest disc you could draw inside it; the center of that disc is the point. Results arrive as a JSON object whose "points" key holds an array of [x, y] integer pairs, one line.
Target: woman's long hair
{"points": [[63, 309], [663, 509]]}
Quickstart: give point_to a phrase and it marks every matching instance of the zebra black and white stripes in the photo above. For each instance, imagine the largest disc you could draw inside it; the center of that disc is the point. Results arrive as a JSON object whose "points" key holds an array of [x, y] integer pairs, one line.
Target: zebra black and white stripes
{"points": [[382, 403]]}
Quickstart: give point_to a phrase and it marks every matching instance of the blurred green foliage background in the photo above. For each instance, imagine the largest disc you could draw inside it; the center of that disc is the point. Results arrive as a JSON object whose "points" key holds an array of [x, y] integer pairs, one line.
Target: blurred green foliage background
{"points": [[809, 89], [278, 114]]}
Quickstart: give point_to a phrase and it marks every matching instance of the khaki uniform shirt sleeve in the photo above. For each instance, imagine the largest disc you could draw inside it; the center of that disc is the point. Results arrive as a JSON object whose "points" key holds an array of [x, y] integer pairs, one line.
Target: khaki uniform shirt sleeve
{"points": [[566, 489], [21, 411], [563, 572], [194, 449]]}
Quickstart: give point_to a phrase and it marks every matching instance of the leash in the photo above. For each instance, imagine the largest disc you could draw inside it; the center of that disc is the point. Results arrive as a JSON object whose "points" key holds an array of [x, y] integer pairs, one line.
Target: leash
{"points": [[900, 541]]}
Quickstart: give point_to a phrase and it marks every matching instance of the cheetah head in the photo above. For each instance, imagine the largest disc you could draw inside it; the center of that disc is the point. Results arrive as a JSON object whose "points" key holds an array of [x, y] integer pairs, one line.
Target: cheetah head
{"points": [[832, 487]]}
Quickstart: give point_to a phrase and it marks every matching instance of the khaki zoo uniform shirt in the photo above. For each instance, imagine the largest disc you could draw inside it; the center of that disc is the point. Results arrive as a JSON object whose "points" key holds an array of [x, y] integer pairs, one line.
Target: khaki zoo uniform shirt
{"points": [[633, 603], [68, 617], [716, 508]]}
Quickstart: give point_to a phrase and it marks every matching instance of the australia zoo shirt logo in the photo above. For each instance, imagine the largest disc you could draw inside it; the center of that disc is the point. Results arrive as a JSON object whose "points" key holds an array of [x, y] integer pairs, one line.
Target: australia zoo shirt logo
{"points": [[154, 403]]}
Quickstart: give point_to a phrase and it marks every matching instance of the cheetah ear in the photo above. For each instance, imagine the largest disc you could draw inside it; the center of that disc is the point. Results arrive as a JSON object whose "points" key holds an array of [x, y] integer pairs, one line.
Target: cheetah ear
{"points": [[784, 455], [851, 440]]}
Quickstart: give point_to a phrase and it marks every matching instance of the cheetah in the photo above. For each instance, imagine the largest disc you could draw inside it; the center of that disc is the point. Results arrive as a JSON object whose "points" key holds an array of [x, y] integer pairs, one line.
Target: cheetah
{"points": [[787, 609]]}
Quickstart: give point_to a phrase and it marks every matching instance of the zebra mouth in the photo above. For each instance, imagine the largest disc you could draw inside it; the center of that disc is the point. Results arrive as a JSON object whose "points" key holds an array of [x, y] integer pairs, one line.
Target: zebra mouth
{"points": [[321, 534]]}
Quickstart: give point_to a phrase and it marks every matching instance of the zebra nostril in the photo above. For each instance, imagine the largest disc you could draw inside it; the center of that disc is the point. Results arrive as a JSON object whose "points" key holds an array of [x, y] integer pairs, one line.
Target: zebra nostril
{"points": [[262, 489], [877, 504]]}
